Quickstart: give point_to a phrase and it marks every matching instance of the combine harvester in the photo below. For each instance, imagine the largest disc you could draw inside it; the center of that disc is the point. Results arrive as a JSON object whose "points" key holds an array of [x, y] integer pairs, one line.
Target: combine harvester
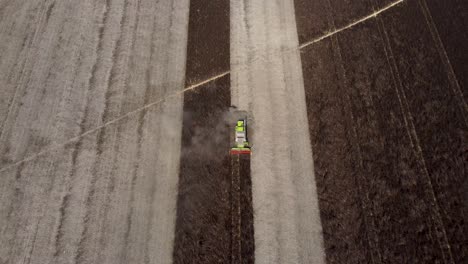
{"points": [[241, 145]]}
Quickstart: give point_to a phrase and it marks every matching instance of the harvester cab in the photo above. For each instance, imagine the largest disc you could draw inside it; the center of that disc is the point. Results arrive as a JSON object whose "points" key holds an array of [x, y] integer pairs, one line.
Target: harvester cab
{"points": [[241, 144]]}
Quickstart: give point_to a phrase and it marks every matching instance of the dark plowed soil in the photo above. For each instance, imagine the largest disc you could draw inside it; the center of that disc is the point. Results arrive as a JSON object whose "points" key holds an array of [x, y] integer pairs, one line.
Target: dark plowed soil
{"points": [[246, 210], [388, 131], [311, 19], [438, 117], [344, 226], [451, 23], [241, 211], [236, 224], [203, 227], [208, 40]]}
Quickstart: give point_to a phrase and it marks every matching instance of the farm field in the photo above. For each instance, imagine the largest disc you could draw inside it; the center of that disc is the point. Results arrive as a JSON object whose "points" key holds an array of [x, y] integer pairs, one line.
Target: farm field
{"points": [[116, 120]]}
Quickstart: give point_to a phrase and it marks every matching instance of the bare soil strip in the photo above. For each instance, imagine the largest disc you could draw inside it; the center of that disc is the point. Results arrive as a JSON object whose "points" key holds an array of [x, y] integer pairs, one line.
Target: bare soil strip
{"points": [[111, 196], [287, 223]]}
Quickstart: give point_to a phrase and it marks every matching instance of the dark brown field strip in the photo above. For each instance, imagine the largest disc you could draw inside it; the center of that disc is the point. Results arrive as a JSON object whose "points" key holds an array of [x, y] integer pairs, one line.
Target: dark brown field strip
{"points": [[343, 223], [242, 247], [376, 188], [203, 225], [392, 179], [311, 19], [246, 209], [208, 40], [451, 22], [437, 116], [236, 224], [317, 18]]}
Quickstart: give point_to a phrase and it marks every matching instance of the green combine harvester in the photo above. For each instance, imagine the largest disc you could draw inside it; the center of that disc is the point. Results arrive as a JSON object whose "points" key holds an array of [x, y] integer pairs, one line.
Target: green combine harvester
{"points": [[241, 145]]}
